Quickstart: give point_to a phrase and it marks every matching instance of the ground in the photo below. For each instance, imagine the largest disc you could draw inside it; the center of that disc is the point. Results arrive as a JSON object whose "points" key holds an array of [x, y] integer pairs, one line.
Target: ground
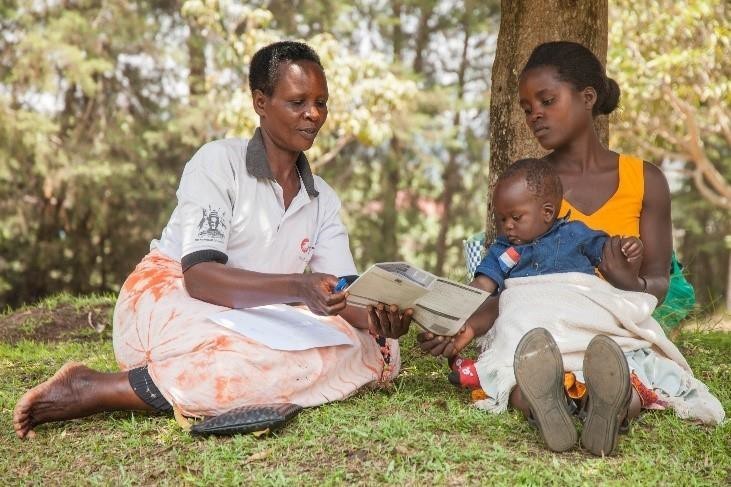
{"points": [[421, 430]]}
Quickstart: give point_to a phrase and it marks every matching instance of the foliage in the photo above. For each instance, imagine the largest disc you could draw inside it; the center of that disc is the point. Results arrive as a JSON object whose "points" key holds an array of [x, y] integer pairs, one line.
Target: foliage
{"points": [[101, 104], [81, 180], [671, 61]]}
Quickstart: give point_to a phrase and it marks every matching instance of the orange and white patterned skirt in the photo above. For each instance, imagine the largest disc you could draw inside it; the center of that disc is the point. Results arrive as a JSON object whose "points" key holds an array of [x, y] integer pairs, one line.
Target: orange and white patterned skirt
{"points": [[204, 369]]}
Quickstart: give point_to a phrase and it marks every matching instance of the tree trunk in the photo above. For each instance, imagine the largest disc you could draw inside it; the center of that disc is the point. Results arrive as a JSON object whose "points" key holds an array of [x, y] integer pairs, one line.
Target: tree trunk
{"points": [[728, 283], [390, 180], [523, 25], [423, 32], [451, 177], [391, 176], [196, 45]]}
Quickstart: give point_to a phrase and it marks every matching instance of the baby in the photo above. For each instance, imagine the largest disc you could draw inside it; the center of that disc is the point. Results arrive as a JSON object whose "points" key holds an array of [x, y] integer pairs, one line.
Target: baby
{"points": [[533, 239], [565, 338]]}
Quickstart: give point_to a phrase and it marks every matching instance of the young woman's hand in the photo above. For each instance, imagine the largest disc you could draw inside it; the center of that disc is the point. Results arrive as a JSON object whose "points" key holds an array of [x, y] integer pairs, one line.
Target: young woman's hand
{"points": [[389, 320], [476, 325], [316, 291], [446, 346], [618, 269]]}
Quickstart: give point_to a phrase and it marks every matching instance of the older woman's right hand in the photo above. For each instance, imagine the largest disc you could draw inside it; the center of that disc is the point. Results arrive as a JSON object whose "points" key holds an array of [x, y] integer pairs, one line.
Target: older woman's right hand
{"points": [[316, 291]]}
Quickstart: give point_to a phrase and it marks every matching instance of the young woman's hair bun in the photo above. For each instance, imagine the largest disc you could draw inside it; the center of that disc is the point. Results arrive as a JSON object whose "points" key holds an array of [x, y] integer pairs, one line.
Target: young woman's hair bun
{"points": [[610, 100]]}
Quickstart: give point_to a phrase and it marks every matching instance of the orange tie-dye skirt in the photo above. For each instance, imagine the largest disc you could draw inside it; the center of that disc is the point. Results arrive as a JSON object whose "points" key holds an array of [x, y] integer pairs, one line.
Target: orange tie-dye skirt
{"points": [[204, 369]]}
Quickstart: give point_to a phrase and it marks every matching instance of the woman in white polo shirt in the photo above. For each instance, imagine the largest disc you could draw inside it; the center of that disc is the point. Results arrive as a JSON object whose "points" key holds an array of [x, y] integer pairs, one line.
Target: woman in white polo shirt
{"points": [[250, 218]]}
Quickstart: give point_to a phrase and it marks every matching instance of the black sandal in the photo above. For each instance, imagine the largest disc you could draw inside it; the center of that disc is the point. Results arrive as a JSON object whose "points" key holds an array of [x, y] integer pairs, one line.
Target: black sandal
{"points": [[609, 389], [539, 373], [247, 419]]}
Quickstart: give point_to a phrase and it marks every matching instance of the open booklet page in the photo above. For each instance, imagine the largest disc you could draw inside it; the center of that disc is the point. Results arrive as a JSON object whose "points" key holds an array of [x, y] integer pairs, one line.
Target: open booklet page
{"points": [[440, 306], [390, 282], [447, 305]]}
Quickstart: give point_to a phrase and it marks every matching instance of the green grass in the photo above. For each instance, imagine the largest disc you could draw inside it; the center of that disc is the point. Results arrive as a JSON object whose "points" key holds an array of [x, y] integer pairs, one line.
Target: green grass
{"points": [[420, 431]]}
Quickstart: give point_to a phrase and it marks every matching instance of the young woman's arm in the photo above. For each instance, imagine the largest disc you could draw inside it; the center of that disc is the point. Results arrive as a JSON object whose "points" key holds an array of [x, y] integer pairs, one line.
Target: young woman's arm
{"points": [[656, 233], [652, 273]]}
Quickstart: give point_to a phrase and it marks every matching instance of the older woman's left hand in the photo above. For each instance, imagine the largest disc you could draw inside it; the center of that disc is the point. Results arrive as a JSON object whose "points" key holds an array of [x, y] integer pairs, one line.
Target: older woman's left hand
{"points": [[389, 320]]}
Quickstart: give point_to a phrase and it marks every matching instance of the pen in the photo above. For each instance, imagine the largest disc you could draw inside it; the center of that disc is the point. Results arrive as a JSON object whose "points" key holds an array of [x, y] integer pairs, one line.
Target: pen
{"points": [[342, 284]]}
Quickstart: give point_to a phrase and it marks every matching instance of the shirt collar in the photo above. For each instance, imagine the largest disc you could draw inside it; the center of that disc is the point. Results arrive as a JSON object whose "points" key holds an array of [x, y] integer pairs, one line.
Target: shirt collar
{"points": [[257, 164], [560, 221]]}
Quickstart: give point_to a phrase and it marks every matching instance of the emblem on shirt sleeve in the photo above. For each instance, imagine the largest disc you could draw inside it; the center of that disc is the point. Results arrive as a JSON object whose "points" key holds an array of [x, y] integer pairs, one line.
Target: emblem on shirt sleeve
{"points": [[509, 259], [211, 225]]}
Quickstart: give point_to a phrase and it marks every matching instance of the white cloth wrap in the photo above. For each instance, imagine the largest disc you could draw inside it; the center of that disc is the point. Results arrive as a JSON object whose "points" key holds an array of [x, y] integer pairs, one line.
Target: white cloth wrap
{"points": [[574, 307]]}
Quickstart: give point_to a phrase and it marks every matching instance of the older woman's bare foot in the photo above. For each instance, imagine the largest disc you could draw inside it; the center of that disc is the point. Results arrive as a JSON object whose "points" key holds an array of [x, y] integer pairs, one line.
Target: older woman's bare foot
{"points": [[75, 391], [58, 398]]}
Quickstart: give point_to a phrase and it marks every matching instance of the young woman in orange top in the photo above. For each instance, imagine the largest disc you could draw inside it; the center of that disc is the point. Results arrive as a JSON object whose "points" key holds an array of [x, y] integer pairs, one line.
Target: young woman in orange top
{"points": [[563, 87]]}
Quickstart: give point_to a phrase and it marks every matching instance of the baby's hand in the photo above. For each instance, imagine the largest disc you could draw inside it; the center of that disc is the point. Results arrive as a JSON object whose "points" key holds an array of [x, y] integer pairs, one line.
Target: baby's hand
{"points": [[631, 248]]}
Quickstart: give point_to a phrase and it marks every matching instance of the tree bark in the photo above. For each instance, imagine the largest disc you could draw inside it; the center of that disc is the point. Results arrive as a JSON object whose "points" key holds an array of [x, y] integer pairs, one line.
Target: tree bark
{"points": [[523, 25]]}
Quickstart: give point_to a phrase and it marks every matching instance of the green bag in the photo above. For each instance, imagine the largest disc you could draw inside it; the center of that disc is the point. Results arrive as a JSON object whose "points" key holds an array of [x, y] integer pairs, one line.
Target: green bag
{"points": [[679, 301]]}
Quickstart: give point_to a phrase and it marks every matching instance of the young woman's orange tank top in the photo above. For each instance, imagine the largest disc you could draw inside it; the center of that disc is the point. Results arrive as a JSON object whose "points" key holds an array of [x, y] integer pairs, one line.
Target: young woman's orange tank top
{"points": [[620, 215]]}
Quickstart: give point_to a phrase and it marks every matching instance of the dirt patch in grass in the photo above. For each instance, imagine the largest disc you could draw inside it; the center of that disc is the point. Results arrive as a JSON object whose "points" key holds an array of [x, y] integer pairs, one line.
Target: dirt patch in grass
{"points": [[64, 322]]}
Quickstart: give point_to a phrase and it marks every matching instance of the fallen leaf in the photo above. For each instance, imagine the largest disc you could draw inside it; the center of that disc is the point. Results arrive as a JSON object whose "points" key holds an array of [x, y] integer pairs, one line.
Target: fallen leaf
{"points": [[180, 419], [260, 455], [403, 450], [441, 404], [261, 433], [361, 455], [99, 327]]}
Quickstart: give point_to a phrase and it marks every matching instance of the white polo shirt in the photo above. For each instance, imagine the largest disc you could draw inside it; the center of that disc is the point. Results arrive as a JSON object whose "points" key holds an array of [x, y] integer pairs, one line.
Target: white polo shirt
{"points": [[231, 210]]}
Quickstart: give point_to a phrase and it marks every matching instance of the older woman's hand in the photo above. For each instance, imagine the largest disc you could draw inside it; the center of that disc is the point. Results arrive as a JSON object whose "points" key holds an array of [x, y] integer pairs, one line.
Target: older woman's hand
{"points": [[316, 291], [389, 320]]}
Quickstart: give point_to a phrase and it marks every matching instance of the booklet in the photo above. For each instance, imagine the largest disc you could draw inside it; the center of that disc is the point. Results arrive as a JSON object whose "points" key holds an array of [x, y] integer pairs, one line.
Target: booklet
{"points": [[440, 306]]}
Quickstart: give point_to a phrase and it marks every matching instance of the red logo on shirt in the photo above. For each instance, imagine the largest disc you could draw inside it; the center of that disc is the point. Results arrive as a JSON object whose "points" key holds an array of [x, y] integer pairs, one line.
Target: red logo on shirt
{"points": [[305, 245]]}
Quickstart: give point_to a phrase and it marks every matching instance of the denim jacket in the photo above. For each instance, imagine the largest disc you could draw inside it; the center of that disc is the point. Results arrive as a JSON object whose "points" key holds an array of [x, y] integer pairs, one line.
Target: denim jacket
{"points": [[568, 246]]}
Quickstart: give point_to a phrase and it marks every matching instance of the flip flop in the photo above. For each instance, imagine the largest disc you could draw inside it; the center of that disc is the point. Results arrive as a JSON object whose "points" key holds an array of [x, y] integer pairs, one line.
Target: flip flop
{"points": [[247, 419], [609, 389], [539, 373]]}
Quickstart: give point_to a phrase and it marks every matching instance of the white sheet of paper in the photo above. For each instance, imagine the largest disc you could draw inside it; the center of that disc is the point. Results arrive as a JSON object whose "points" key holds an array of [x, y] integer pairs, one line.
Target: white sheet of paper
{"points": [[281, 327]]}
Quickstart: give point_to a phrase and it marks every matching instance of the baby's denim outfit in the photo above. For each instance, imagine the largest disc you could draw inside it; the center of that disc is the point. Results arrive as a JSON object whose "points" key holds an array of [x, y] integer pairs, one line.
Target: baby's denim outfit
{"points": [[569, 246]]}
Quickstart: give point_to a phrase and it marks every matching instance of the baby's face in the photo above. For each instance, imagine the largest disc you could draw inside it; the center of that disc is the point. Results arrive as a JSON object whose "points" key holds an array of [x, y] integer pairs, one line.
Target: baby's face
{"points": [[519, 214]]}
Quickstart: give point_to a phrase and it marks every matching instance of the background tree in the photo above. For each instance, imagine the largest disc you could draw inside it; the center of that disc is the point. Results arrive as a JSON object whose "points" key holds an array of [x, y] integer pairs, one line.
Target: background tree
{"points": [[102, 103], [82, 179], [671, 61]]}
